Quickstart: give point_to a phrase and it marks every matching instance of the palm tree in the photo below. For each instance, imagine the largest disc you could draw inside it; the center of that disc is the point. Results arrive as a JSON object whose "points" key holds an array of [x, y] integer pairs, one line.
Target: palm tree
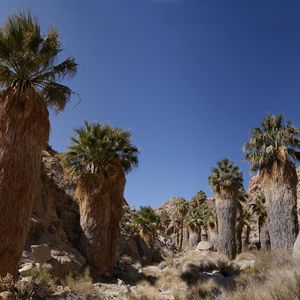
{"points": [[194, 221], [226, 181], [182, 207], [259, 208], [148, 221], [239, 220], [165, 219], [271, 150], [30, 81], [198, 199], [100, 156], [247, 217]]}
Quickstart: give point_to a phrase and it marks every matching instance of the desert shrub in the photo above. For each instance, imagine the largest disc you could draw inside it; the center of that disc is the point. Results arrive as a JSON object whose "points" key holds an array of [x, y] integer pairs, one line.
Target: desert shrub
{"points": [[126, 259], [41, 277], [226, 268], [80, 283], [207, 290], [22, 290], [7, 283]]}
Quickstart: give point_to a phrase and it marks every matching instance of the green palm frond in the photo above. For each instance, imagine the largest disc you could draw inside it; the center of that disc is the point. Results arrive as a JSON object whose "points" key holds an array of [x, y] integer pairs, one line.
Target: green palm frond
{"points": [[96, 147], [273, 141], [198, 198], [226, 176], [27, 57], [146, 218], [259, 207]]}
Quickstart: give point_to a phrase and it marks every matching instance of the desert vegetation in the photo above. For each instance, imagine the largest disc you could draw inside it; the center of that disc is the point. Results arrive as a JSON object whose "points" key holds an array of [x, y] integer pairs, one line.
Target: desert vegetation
{"points": [[67, 231]]}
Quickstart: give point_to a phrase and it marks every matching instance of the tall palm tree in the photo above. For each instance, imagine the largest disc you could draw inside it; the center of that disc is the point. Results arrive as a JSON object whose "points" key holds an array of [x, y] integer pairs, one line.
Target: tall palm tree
{"points": [[272, 150], [198, 199], [30, 81], [194, 221], [226, 181], [247, 218], [239, 220], [182, 208], [148, 221], [100, 156]]}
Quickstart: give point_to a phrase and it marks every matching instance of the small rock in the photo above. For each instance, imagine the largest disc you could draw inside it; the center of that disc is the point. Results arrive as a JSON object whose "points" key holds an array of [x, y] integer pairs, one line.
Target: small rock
{"points": [[162, 265], [120, 282], [41, 253], [205, 246]]}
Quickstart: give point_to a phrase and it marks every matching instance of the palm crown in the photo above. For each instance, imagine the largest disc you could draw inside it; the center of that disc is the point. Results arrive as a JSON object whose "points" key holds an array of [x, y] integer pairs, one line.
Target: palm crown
{"points": [[273, 141], [29, 58], [226, 176], [146, 218], [201, 215], [96, 147], [199, 198]]}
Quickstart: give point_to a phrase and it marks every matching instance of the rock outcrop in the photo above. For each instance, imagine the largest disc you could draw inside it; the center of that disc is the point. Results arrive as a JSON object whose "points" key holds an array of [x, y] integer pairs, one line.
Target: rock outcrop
{"points": [[54, 228]]}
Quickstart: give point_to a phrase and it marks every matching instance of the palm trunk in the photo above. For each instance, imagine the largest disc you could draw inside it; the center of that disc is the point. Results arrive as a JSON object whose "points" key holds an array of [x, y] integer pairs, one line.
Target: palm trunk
{"points": [[194, 237], [203, 233], [245, 236], [280, 188], [213, 234], [24, 132], [239, 228], [264, 237], [181, 236], [101, 209], [226, 214]]}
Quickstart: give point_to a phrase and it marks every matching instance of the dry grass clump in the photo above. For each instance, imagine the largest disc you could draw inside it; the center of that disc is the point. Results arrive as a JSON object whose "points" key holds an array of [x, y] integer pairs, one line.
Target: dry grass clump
{"points": [[144, 291], [275, 276], [280, 285], [81, 284]]}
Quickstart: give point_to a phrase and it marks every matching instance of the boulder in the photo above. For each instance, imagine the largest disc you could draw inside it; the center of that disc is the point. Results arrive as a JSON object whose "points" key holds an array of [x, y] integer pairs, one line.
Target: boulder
{"points": [[41, 253], [63, 262], [205, 246]]}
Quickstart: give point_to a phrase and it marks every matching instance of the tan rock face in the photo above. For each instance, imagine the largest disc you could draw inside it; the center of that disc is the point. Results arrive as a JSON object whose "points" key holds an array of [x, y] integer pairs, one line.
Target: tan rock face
{"points": [[54, 226], [101, 208]]}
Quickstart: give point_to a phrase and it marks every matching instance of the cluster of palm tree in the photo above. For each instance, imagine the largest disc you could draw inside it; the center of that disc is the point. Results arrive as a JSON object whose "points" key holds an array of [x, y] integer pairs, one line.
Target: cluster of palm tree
{"points": [[100, 156], [196, 216], [272, 151], [31, 80]]}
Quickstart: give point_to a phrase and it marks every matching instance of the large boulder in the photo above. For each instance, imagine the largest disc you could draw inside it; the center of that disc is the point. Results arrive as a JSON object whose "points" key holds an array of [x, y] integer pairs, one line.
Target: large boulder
{"points": [[41, 253]]}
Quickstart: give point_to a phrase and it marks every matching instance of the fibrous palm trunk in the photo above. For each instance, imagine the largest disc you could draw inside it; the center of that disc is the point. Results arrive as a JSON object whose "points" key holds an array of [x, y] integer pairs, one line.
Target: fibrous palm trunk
{"points": [[245, 236], [181, 236], [226, 214], [212, 233], [280, 188], [101, 209], [239, 227], [264, 237], [194, 237], [24, 132]]}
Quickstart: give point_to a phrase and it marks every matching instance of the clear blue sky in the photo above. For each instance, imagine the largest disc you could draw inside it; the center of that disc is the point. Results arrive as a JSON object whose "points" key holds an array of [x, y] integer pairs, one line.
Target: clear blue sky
{"points": [[189, 78]]}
